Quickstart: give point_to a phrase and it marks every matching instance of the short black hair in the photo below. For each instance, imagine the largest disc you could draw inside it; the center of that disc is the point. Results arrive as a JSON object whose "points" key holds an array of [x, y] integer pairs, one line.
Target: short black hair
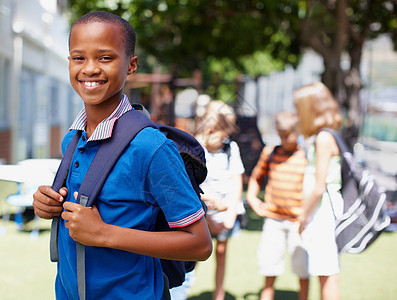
{"points": [[129, 35]]}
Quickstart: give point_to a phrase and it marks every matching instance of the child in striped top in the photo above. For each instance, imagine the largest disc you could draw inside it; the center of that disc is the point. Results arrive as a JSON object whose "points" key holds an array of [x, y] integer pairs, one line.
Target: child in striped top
{"points": [[282, 168]]}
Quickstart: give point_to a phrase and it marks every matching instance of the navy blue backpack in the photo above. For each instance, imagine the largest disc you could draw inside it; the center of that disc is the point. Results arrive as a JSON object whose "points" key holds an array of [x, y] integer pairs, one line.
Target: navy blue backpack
{"points": [[124, 131]]}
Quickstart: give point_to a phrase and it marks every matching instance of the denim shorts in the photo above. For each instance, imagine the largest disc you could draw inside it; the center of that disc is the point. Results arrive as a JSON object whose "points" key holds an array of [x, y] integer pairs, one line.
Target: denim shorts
{"points": [[227, 233]]}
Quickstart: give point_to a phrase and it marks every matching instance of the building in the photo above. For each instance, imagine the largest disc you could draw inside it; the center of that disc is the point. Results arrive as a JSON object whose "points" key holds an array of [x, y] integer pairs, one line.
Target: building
{"points": [[37, 102]]}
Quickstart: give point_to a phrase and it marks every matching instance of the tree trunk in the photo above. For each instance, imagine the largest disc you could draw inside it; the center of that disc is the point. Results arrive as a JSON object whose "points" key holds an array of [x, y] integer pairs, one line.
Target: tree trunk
{"points": [[353, 85], [333, 77], [345, 86]]}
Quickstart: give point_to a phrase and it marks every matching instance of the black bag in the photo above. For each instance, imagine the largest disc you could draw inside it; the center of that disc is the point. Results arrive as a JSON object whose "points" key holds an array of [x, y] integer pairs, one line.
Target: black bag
{"points": [[364, 217], [125, 129]]}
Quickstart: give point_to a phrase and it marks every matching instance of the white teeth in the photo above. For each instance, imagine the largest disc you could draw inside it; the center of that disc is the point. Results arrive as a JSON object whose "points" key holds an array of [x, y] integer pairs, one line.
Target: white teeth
{"points": [[90, 83]]}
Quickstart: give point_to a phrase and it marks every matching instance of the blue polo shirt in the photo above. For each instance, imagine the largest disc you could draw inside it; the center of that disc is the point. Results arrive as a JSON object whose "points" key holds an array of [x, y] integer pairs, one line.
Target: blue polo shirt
{"points": [[149, 176]]}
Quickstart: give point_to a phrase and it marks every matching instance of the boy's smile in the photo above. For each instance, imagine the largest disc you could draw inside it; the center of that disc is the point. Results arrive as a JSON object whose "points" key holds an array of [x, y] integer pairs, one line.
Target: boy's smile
{"points": [[98, 64]]}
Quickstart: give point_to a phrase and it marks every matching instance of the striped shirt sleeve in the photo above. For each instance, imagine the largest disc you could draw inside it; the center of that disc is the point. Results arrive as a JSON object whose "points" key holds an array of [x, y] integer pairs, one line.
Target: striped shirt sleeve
{"points": [[261, 168]]}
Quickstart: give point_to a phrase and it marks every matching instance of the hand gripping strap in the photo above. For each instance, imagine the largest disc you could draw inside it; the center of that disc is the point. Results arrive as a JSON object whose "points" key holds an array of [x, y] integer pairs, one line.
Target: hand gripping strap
{"points": [[59, 182]]}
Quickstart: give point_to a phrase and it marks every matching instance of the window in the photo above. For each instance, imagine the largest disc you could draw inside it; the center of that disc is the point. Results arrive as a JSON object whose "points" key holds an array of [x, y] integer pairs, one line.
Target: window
{"points": [[4, 92], [54, 102]]}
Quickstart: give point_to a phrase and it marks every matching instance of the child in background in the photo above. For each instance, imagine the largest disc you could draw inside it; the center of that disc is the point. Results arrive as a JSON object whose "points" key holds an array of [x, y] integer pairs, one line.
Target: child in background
{"points": [[224, 184], [318, 109], [122, 249], [283, 166]]}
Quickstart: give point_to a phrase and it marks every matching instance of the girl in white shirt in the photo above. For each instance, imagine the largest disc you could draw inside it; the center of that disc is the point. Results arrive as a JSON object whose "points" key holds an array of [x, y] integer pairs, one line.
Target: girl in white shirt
{"points": [[224, 185]]}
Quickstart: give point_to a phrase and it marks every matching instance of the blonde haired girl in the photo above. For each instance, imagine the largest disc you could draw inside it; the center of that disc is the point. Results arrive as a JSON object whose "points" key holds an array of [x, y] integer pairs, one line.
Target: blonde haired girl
{"points": [[223, 186], [318, 109]]}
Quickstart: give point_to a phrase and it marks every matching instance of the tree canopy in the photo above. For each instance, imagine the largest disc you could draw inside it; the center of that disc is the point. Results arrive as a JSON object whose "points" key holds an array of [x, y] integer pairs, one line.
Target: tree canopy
{"points": [[201, 34], [188, 33]]}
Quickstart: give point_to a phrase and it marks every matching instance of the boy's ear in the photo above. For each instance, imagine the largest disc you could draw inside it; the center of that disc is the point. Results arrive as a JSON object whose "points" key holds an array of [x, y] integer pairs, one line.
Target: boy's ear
{"points": [[133, 64]]}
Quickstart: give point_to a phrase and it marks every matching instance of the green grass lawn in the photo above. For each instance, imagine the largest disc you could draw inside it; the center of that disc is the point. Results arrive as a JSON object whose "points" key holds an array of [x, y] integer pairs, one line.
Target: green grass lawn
{"points": [[27, 273], [25, 268], [370, 275]]}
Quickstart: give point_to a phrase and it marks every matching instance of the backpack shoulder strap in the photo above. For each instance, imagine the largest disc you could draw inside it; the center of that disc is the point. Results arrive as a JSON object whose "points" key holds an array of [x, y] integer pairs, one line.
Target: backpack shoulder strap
{"points": [[270, 159], [124, 131], [343, 148], [63, 169], [347, 164], [110, 150], [273, 152], [59, 182], [227, 149]]}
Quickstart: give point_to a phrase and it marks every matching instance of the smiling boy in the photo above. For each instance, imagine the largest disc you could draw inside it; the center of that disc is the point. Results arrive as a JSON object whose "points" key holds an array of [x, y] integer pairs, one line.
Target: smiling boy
{"points": [[122, 249]]}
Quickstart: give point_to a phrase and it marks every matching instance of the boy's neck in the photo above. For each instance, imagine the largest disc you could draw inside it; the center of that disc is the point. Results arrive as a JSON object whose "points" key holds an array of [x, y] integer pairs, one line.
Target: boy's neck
{"points": [[291, 150]]}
